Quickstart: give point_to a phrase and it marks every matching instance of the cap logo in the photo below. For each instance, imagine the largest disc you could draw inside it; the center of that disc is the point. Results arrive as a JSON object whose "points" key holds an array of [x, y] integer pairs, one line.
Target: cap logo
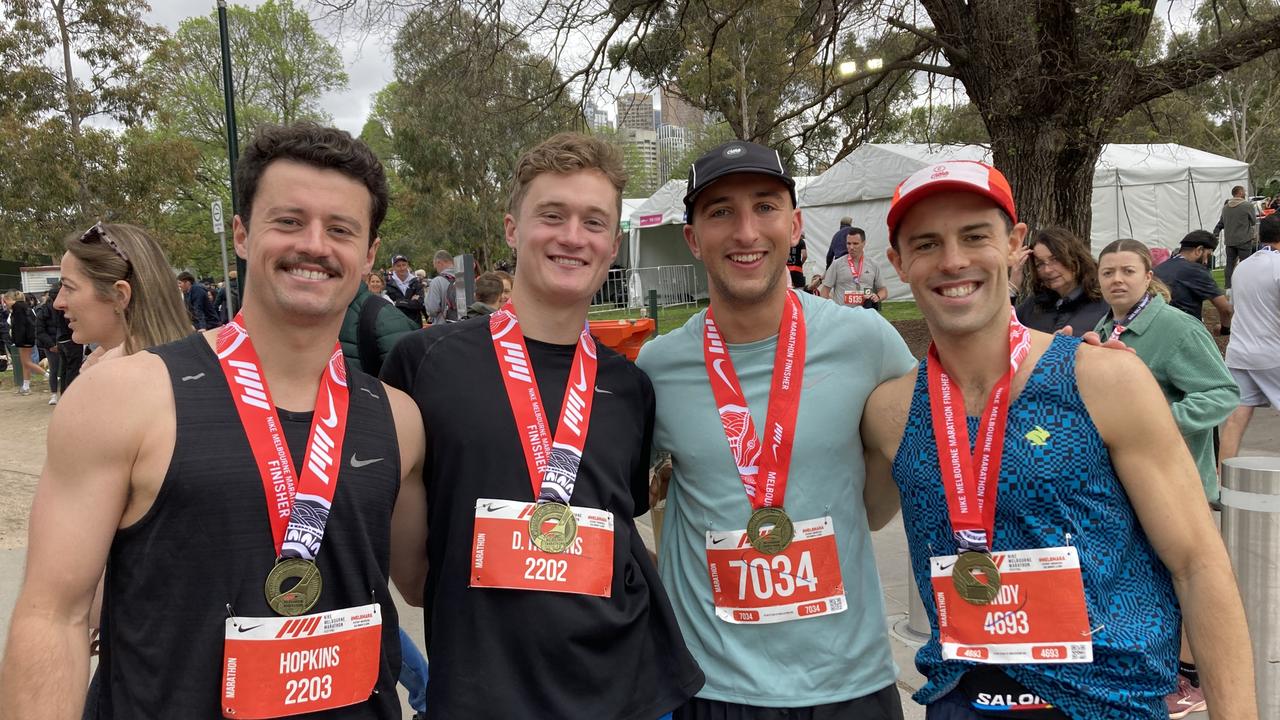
{"points": [[939, 171], [734, 151]]}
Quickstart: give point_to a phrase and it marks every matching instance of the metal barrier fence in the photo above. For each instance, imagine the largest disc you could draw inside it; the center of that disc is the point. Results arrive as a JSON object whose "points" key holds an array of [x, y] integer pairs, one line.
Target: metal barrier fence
{"points": [[628, 288]]}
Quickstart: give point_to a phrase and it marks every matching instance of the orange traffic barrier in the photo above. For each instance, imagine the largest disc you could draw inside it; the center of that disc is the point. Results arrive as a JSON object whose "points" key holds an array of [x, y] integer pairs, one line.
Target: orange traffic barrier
{"points": [[624, 336]]}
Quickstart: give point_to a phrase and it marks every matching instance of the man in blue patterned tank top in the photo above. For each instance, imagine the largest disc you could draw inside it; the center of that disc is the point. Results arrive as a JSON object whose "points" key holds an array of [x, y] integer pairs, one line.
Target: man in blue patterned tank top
{"points": [[1054, 590]]}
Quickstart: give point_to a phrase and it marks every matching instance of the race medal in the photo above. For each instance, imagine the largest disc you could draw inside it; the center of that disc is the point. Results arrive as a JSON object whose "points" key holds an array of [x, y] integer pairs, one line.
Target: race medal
{"points": [[302, 594], [298, 503], [1034, 613], [553, 463], [276, 667], [763, 474], [560, 535], [505, 552], [776, 538], [971, 589], [800, 581]]}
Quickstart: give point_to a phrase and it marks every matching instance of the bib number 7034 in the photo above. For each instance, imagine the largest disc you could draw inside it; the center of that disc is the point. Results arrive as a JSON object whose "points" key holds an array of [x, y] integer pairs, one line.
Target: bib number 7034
{"points": [[773, 575]]}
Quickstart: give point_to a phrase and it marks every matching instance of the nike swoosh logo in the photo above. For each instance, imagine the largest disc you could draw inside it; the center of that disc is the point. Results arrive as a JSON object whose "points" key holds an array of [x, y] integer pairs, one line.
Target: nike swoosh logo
{"points": [[602, 391], [187, 378], [717, 541], [247, 629], [716, 364], [332, 420], [361, 463], [582, 377], [491, 507]]}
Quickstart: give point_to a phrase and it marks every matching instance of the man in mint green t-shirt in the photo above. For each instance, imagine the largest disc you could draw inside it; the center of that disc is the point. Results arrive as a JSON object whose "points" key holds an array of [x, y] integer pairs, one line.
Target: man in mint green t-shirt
{"points": [[766, 547]]}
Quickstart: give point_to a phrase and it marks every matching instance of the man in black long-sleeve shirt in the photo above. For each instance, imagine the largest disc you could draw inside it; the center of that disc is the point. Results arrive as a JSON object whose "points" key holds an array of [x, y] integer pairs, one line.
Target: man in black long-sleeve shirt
{"points": [[199, 305]]}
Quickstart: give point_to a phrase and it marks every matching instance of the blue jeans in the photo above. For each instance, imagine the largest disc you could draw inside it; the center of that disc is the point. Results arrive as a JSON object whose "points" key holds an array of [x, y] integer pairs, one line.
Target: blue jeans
{"points": [[413, 672]]}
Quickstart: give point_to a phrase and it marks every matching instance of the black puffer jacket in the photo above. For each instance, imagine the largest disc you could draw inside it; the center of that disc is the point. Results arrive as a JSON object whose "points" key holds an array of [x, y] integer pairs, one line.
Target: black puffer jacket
{"points": [[22, 324]]}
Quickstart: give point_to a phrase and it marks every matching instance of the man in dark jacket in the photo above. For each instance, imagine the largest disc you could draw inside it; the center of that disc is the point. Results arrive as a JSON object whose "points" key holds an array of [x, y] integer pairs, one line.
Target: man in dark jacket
{"points": [[405, 289], [370, 329], [1189, 280], [489, 289], [220, 303], [839, 241], [199, 306], [1237, 224], [47, 340]]}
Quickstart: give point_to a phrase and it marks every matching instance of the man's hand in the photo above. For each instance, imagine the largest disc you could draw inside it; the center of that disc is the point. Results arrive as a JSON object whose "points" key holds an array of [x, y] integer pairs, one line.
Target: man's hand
{"points": [[1094, 339], [659, 481]]}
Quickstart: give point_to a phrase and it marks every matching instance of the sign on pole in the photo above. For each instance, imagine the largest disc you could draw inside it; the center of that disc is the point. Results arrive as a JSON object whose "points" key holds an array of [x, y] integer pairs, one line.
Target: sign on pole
{"points": [[217, 216]]}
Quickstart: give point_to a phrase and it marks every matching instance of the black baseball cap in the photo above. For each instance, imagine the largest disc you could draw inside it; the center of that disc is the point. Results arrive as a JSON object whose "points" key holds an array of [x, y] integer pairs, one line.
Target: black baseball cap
{"points": [[398, 258], [735, 156]]}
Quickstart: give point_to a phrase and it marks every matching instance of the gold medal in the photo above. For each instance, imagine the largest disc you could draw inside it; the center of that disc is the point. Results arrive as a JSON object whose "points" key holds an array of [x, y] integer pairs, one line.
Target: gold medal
{"points": [[558, 538], [301, 595], [968, 586], [777, 538]]}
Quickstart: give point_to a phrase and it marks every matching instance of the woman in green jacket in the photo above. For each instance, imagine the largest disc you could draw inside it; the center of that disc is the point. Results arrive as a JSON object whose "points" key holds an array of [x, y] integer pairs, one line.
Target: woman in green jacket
{"points": [[1176, 347]]}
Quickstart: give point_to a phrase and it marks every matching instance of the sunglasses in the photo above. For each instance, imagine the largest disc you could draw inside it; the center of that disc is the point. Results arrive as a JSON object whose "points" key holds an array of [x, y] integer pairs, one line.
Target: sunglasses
{"points": [[97, 233]]}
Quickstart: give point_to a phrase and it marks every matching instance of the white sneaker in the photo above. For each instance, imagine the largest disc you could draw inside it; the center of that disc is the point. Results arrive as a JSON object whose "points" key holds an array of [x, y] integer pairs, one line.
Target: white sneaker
{"points": [[53, 399]]}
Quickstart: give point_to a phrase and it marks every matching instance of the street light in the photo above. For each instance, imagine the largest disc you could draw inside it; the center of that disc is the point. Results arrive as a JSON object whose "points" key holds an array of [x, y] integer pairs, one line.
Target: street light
{"points": [[848, 67], [875, 64]]}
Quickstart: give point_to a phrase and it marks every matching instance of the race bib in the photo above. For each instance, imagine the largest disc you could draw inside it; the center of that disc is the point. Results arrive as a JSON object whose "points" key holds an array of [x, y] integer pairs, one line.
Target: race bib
{"points": [[801, 581], [281, 666], [502, 555], [1038, 615], [853, 297]]}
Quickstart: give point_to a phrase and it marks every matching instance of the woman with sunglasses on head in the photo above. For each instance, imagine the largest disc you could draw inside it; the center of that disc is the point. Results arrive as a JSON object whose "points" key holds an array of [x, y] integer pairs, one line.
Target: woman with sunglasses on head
{"points": [[1061, 287], [119, 293]]}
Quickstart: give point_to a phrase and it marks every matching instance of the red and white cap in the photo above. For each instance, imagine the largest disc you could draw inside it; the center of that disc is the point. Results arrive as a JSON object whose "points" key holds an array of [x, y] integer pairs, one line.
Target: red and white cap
{"points": [[952, 175]]}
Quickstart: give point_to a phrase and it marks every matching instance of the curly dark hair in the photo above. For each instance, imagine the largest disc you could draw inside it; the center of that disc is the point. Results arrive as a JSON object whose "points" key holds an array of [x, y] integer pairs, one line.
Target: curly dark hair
{"points": [[322, 147], [1074, 255]]}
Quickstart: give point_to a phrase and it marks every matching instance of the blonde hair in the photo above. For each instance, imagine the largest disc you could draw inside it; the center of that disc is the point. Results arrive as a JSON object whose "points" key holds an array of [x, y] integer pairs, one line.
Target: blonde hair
{"points": [[155, 313], [568, 153], [1154, 286]]}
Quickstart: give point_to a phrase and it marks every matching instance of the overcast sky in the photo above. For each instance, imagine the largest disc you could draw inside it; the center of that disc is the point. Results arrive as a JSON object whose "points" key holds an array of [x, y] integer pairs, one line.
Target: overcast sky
{"points": [[368, 63]]}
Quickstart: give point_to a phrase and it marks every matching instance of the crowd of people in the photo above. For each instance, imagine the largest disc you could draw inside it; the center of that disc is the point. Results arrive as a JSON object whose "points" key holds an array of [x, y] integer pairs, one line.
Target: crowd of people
{"points": [[1055, 489]]}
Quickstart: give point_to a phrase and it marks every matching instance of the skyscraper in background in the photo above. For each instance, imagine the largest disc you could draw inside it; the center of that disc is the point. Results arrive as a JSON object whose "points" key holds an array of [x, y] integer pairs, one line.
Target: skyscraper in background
{"points": [[635, 112], [679, 113]]}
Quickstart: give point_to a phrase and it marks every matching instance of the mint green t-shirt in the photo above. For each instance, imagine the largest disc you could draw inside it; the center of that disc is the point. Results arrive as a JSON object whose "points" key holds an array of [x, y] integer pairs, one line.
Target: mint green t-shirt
{"points": [[815, 660]]}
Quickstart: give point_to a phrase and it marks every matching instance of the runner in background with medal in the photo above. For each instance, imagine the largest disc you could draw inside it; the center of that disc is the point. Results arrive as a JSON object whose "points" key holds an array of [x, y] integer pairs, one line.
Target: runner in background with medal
{"points": [[853, 279], [766, 545], [538, 594], [238, 486], [1051, 508]]}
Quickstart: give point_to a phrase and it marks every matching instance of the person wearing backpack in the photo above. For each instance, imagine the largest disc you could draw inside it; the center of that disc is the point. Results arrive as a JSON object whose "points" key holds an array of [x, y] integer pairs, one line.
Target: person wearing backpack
{"points": [[441, 304], [372, 326]]}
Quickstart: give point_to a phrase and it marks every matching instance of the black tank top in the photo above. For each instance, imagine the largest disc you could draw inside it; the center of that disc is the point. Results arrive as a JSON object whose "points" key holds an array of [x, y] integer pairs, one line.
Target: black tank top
{"points": [[206, 543]]}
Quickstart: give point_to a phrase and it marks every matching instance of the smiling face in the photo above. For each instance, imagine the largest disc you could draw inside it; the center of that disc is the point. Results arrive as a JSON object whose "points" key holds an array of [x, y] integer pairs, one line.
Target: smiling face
{"points": [[92, 318], [953, 250], [1052, 272], [1124, 278], [742, 227], [375, 283], [565, 233], [307, 242]]}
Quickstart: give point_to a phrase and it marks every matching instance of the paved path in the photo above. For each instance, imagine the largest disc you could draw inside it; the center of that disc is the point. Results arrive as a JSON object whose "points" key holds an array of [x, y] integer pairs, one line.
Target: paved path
{"points": [[890, 546]]}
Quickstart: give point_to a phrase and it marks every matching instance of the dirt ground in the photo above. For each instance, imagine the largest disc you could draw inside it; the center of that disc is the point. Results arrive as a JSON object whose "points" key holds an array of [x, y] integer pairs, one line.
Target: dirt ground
{"points": [[26, 419]]}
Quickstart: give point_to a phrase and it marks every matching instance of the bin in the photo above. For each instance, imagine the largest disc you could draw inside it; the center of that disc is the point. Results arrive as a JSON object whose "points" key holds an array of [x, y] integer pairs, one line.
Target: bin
{"points": [[624, 336]]}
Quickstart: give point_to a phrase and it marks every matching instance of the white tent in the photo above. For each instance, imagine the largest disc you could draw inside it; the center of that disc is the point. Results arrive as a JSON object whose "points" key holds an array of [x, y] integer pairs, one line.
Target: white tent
{"points": [[1153, 193]]}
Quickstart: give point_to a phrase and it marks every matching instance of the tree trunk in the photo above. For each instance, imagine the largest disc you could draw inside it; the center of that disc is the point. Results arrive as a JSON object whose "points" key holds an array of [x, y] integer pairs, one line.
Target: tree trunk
{"points": [[75, 114], [1051, 175]]}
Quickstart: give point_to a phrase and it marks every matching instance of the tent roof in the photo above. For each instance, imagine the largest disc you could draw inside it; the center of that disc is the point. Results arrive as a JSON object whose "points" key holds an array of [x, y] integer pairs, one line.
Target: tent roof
{"points": [[666, 206], [873, 170]]}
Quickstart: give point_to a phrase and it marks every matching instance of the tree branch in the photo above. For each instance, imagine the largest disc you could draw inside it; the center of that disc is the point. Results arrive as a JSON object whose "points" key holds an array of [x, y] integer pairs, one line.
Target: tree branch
{"points": [[955, 54], [1187, 69]]}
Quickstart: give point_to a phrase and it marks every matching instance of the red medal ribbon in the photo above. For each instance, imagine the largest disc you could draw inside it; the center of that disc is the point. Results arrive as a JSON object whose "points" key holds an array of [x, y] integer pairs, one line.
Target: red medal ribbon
{"points": [[764, 478], [856, 273], [298, 508], [970, 482], [553, 465]]}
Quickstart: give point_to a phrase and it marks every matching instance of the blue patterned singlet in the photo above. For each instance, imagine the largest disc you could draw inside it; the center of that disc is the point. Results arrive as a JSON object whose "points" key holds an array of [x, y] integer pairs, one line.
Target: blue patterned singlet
{"points": [[1057, 487]]}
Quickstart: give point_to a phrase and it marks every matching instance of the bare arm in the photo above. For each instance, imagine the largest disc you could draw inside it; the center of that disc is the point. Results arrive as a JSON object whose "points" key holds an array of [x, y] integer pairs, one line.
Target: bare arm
{"points": [[79, 503], [824, 291], [1225, 311], [1160, 479], [409, 518], [883, 420]]}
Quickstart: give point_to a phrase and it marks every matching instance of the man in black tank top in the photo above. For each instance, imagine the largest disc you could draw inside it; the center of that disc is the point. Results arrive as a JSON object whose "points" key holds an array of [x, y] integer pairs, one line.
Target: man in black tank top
{"points": [[242, 510], [539, 597]]}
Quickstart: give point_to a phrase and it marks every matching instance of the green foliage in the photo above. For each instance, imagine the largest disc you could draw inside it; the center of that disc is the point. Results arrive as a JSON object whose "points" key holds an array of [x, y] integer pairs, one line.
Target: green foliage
{"points": [[469, 97]]}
